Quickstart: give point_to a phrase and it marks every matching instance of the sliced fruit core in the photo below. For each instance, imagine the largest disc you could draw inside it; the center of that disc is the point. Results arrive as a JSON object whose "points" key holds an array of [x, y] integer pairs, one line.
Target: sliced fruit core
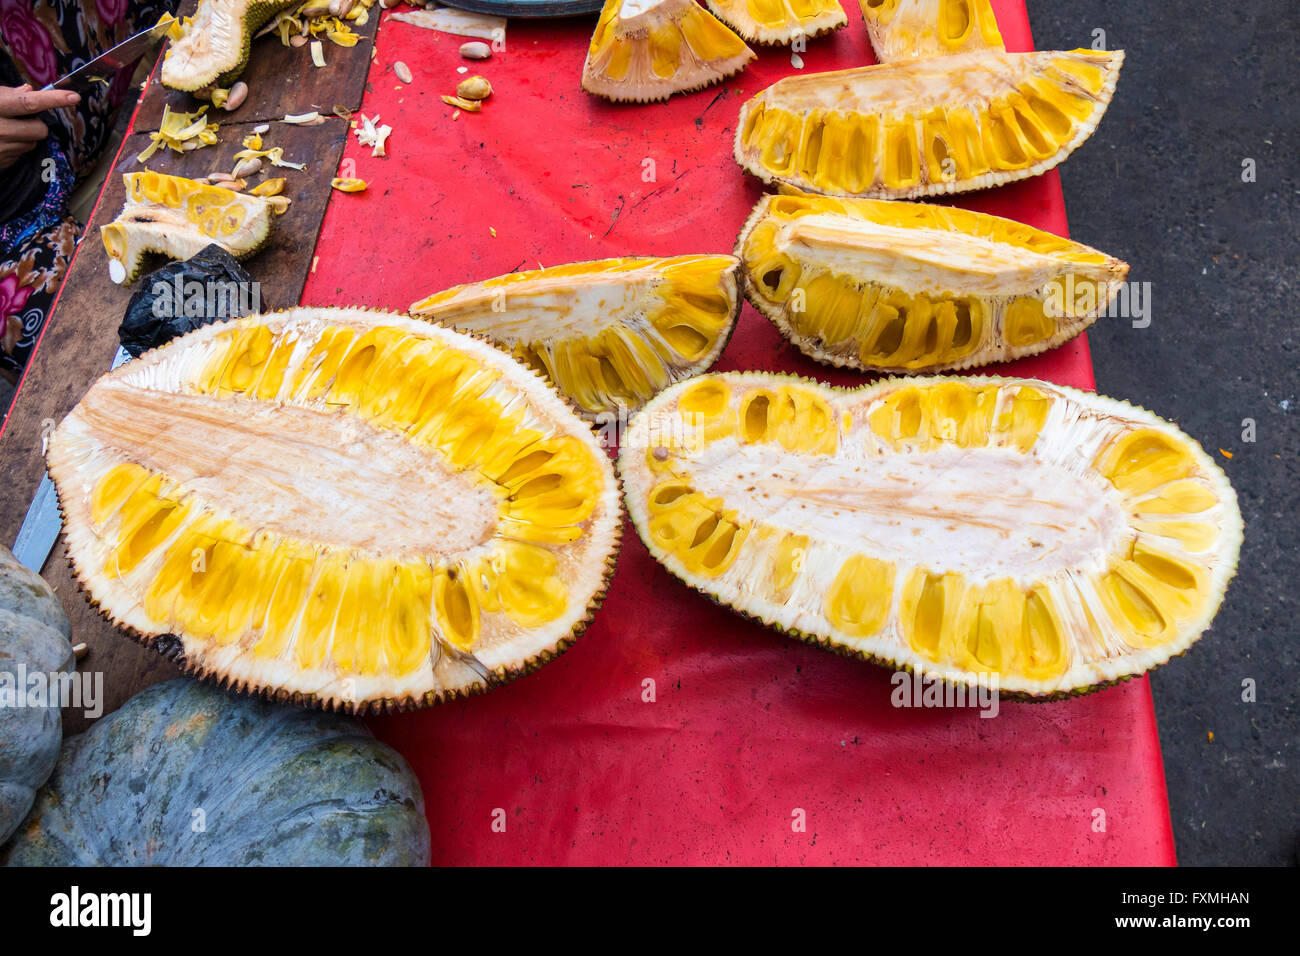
{"points": [[978, 510], [213, 46]]}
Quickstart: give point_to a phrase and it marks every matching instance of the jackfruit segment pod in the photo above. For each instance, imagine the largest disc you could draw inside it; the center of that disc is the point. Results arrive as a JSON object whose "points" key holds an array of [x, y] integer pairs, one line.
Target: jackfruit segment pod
{"points": [[779, 21], [926, 127], [350, 509], [214, 44], [609, 334], [647, 50], [979, 530], [897, 286], [178, 218], [912, 29]]}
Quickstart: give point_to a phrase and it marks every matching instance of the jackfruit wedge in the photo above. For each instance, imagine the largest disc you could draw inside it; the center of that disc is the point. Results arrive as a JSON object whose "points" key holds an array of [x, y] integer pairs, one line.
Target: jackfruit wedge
{"points": [[926, 127], [647, 50], [779, 21], [985, 531], [902, 286], [912, 29], [178, 218], [214, 44], [350, 509], [610, 333]]}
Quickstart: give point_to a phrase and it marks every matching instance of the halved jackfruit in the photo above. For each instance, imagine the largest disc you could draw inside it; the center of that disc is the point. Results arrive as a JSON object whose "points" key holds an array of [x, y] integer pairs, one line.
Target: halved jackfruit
{"points": [[351, 509], [779, 21], [646, 50], [177, 218], [898, 286], [610, 333], [923, 127], [214, 44], [993, 530], [912, 29]]}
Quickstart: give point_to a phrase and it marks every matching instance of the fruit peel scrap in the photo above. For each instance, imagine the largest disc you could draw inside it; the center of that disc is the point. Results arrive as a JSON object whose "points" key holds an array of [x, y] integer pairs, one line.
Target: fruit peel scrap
{"points": [[181, 133]]}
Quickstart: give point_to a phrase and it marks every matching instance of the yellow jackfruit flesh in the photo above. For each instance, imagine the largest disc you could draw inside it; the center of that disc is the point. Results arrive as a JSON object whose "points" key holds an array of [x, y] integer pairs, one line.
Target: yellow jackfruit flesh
{"points": [[979, 530], [779, 21], [912, 29], [647, 50], [351, 509], [900, 286], [177, 218], [213, 47], [926, 127], [610, 333]]}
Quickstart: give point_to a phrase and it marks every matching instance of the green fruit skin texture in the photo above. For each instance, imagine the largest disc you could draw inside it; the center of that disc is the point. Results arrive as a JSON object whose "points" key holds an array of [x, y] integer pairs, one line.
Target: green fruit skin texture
{"points": [[34, 635], [185, 774]]}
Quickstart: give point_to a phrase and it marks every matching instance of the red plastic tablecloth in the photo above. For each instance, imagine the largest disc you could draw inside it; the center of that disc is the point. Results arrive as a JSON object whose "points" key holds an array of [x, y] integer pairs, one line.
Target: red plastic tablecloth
{"points": [[747, 727]]}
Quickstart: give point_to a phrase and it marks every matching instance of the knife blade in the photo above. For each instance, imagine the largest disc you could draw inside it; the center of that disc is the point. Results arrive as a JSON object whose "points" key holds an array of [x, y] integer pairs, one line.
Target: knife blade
{"points": [[102, 68], [42, 524]]}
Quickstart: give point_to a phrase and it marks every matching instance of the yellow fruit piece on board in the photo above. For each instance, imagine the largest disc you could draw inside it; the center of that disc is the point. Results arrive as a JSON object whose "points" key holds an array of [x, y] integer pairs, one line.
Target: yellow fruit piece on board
{"points": [[178, 218]]}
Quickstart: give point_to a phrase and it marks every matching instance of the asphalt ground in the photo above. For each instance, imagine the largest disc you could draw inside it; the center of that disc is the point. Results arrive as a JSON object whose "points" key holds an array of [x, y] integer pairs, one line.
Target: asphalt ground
{"points": [[1193, 178]]}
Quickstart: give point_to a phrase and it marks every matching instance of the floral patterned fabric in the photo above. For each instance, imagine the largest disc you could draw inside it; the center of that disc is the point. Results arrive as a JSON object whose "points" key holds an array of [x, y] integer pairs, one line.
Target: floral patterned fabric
{"points": [[28, 284], [42, 40], [47, 39]]}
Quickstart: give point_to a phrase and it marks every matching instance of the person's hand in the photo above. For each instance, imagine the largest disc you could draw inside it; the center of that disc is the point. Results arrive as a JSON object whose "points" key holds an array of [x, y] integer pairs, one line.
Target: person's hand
{"points": [[19, 132]]}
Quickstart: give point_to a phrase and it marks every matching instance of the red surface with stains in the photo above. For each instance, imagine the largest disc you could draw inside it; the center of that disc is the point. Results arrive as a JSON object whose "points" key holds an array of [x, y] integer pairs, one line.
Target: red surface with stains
{"points": [[749, 731]]}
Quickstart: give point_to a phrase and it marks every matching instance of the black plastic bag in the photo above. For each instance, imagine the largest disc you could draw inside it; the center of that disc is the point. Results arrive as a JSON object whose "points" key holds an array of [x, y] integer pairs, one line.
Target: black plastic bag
{"points": [[183, 296]]}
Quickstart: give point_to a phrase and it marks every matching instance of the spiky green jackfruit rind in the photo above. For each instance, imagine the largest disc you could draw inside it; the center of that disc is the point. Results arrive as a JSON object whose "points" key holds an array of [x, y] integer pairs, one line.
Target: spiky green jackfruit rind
{"points": [[895, 655], [216, 43], [188, 656]]}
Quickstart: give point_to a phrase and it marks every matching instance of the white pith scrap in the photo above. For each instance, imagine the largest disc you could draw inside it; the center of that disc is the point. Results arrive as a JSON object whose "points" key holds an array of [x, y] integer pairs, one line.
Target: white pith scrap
{"points": [[370, 494], [968, 81], [1046, 518]]}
